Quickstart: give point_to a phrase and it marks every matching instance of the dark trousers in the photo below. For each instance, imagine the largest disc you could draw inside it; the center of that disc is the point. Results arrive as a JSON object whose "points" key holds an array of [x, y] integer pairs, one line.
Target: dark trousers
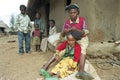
{"points": [[21, 37]]}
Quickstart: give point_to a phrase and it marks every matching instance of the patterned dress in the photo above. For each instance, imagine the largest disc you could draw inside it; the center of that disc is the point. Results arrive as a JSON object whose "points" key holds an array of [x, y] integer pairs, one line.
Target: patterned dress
{"points": [[69, 60]]}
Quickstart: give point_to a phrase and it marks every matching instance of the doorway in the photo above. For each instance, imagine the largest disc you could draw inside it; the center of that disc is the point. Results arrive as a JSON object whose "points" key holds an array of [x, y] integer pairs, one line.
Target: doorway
{"points": [[47, 11]]}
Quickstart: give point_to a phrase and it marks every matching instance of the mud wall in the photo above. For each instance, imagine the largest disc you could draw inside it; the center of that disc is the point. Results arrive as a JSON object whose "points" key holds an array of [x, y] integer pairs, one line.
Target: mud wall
{"points": [[102, 17], [57, 12], [117, 30]]}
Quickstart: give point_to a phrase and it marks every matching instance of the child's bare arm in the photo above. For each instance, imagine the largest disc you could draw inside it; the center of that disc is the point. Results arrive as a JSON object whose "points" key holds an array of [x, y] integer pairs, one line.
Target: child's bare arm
{"points": [[46, 66]]}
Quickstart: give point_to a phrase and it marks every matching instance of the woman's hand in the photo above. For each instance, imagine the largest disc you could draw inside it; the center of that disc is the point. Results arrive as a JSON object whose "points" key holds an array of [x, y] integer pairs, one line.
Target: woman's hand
{"points": [[73, 28], [67, 30]]}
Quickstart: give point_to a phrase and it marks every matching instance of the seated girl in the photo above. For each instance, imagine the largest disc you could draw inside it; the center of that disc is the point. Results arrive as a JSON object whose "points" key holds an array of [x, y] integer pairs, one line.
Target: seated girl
{"points": [[52, 31], [68, 56]]}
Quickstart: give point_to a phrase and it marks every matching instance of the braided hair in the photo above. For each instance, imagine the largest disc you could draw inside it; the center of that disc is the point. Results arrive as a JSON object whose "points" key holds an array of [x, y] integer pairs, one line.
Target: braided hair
{"points": [[76, 34]]}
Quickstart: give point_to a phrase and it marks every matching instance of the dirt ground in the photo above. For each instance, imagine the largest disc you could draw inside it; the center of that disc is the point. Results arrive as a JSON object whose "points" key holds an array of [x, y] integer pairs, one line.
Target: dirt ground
{"points": [[26, 67]]}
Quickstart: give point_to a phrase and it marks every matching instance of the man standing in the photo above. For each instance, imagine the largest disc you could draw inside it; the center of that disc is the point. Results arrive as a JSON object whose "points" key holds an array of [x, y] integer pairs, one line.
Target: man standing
{"points": [[23, 26]]}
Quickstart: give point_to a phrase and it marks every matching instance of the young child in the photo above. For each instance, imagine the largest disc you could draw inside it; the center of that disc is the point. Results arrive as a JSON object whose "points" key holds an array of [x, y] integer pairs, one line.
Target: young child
{"points": [[68, 54], [36, 37], [39, 21], [52, 29]]}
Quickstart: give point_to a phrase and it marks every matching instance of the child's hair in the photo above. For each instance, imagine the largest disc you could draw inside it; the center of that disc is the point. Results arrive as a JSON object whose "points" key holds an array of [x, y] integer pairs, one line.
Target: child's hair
{"points": [[39, 13], [76, 34], [52, 21]]}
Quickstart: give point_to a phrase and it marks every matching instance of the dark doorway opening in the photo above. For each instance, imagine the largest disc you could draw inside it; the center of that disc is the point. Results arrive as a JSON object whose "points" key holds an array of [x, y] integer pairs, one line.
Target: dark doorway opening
{"points": [[68, 2], [47, 11]]}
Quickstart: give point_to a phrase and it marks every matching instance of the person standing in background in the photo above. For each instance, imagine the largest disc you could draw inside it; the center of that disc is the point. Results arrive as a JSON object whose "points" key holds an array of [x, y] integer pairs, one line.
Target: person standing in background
{"points": [[23, 26], [39, 21], [36, 37]]}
